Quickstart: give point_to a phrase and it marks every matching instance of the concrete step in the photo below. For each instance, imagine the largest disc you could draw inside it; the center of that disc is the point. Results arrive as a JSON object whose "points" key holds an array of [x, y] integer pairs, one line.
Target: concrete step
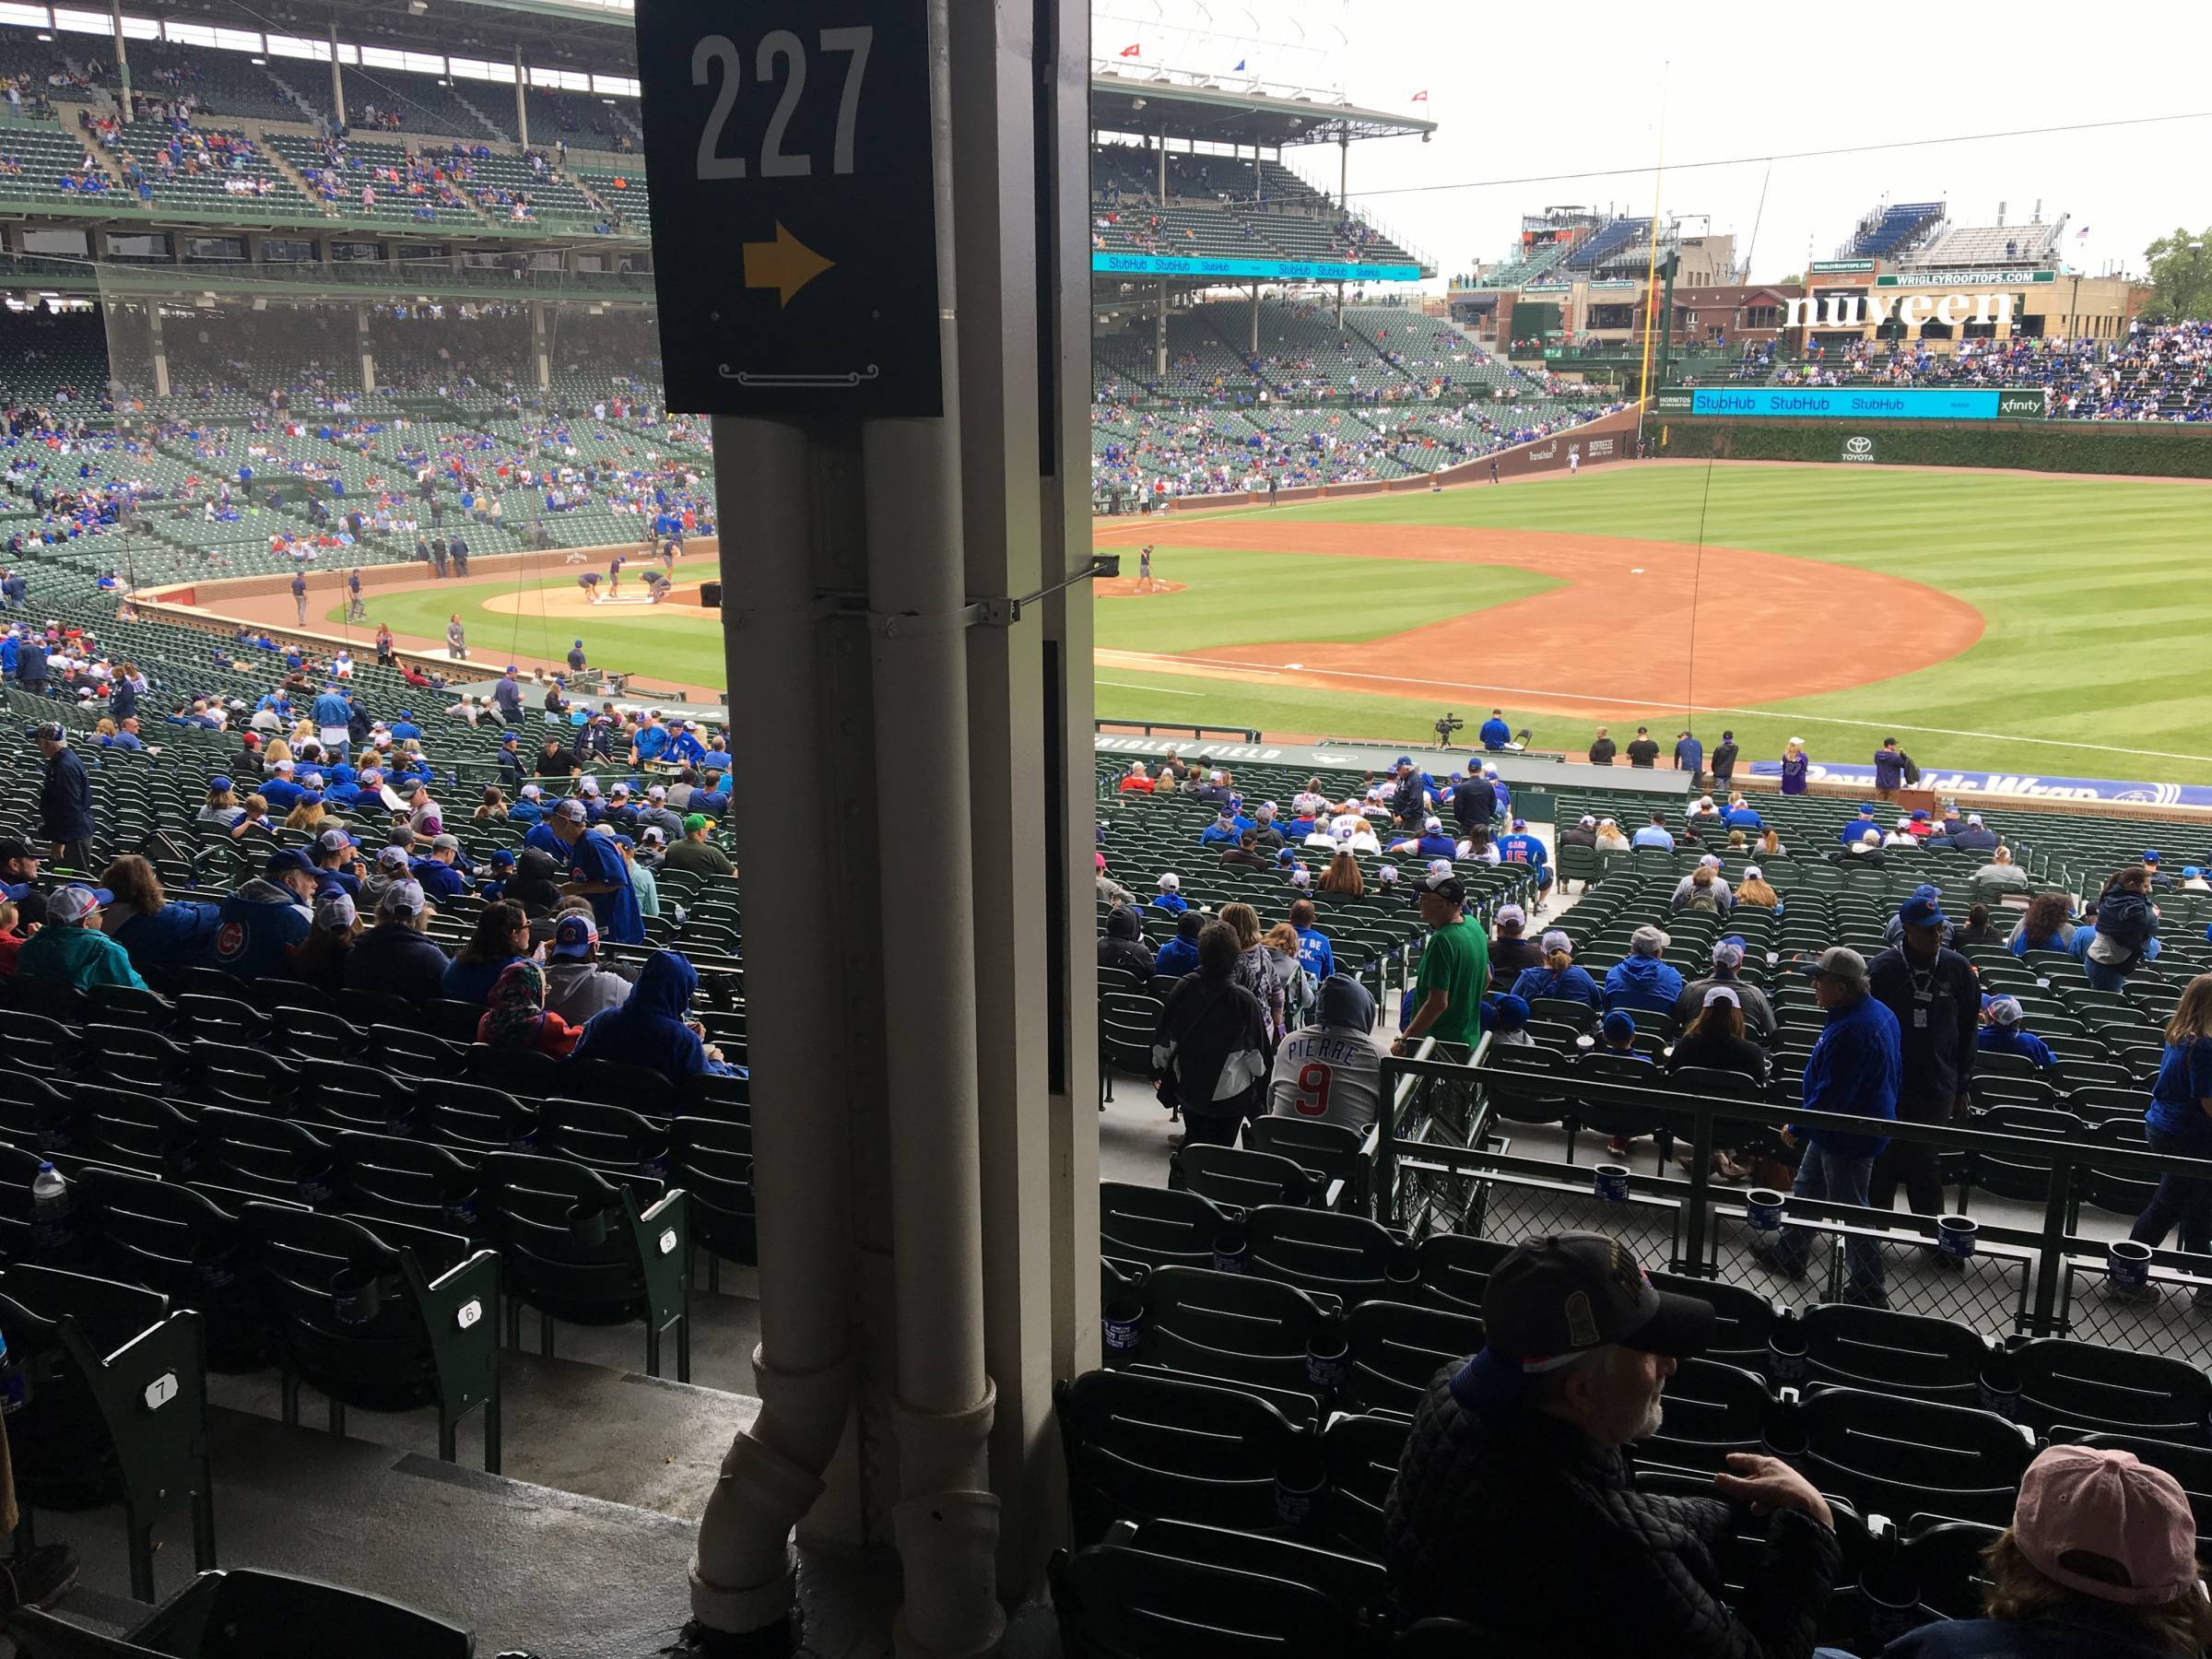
{"points": [[524, 1565]]}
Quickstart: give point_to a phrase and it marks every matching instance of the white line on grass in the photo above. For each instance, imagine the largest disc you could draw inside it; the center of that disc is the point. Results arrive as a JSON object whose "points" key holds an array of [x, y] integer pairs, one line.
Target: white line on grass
{"points": [[1133, 686], [1629, 702]]}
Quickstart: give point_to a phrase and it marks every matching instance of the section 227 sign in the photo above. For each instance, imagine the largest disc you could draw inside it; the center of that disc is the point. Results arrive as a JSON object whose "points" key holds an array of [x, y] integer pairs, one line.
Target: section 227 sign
{"points": [[788, 149]]}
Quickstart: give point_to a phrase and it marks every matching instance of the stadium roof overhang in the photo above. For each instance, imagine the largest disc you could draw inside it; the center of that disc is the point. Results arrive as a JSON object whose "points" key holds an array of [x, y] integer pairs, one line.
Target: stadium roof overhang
{"points": [[1208, 113], [548, 29]]}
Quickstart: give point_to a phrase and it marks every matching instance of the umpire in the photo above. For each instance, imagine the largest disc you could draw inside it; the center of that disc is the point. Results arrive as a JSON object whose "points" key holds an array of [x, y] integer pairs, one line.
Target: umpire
{"points": [[1937, 1001]]}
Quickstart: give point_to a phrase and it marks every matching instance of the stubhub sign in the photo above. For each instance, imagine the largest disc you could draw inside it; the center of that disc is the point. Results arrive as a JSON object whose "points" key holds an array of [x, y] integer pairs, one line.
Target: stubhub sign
{"points": [[1863, 402], [1267, 270]]}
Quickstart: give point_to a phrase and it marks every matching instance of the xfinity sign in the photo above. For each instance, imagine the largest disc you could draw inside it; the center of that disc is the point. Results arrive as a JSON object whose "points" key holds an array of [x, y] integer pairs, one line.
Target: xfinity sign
{"points": [[1857, 311]]}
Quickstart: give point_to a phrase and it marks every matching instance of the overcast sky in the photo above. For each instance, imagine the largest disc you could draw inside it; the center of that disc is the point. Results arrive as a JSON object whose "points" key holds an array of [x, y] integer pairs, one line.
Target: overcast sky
{"points": [[1753, 81]]}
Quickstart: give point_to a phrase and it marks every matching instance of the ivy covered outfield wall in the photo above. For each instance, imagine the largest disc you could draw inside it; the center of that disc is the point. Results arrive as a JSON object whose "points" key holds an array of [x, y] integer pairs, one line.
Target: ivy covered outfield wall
{"points": [[2145, 449]]}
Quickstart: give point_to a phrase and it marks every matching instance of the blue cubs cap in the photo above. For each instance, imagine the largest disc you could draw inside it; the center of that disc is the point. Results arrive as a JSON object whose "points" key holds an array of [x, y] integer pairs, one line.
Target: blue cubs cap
{"points": [[287, 861], [1920, 816], [1402, 760], [1922, 908], [220, 786], [501, 858], [575, 936], [1866, 810], [2150, 857], [1509, 1013], [1619, 1025]]}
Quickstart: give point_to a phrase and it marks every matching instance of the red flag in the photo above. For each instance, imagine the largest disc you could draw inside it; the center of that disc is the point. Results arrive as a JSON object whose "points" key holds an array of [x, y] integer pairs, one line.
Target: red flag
{"points": [[1131, 51], [1421, 97]]}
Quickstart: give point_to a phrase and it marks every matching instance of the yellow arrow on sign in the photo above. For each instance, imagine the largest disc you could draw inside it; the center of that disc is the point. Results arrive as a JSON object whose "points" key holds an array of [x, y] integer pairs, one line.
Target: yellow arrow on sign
{"points": [[786, 265]]}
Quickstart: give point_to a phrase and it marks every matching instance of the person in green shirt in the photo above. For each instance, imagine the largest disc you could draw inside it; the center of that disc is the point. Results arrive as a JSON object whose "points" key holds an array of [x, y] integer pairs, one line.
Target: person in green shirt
{"points": [[1455, 968]]}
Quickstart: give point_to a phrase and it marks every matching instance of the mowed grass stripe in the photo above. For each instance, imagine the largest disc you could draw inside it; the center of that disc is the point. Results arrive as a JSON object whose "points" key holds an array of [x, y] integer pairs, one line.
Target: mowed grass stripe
{"points": [[1241, 598], [2092, 591]]}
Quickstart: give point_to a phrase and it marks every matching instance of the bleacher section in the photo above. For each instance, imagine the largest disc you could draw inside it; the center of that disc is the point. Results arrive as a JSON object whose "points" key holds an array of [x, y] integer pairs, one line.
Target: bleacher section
{"points": [[1609, 240], [219, 83], [1888, 231], [586, 121], [41, 165], [211, 170], [408, 192], [414, 103], [2158, 372], [1989, 245]]}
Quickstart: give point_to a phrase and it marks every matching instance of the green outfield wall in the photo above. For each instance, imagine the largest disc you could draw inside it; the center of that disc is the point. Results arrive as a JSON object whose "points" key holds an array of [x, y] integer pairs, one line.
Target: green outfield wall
{"points": [[2119, 448]]}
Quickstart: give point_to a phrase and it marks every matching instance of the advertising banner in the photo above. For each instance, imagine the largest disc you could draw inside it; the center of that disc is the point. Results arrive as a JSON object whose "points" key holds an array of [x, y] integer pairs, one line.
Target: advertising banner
{"points": [[1958, 279], [2026, 786], [1847, 403], [1267, 270]]}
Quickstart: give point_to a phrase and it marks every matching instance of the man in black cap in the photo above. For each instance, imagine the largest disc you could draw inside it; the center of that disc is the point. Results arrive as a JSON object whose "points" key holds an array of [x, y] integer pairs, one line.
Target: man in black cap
{"points": [[1513, 1509], [1937, 1000], [65, 799]]}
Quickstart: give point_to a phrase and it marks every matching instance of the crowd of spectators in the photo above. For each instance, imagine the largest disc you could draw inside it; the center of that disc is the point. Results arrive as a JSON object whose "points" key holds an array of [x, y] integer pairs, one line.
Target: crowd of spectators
{"points": [[2156, 371]]}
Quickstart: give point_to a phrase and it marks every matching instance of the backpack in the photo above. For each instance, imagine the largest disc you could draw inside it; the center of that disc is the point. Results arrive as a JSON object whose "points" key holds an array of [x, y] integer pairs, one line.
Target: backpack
{"points": [[1703, 899], [1911, 768]]}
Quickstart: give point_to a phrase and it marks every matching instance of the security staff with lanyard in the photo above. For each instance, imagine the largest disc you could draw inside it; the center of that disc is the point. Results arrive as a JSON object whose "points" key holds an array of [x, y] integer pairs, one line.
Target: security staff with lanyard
{"points": [[1937, 1001]]}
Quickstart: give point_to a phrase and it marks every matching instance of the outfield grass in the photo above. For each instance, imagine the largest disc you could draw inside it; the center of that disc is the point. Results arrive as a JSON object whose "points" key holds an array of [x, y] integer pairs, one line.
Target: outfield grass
{"points": [[679, 645], [1237, 598], [2094, 662]]}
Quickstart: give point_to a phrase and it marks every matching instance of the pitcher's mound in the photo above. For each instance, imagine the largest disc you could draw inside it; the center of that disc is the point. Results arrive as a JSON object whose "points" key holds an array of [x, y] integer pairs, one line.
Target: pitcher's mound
{"points": [[1125, 587]]}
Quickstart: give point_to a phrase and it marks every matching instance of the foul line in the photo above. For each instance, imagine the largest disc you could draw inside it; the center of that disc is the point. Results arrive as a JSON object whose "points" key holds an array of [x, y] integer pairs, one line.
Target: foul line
{"points": [[1133, 686], [1147, 658]]}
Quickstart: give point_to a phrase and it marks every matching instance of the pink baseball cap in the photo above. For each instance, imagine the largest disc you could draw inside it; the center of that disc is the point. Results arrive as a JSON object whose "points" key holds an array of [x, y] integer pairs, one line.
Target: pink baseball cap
{"points": [[2128, 1524]]}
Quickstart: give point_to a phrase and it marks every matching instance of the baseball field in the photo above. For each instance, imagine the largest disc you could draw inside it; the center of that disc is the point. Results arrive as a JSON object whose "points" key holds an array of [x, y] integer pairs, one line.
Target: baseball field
{"points": [[1992, 621]]}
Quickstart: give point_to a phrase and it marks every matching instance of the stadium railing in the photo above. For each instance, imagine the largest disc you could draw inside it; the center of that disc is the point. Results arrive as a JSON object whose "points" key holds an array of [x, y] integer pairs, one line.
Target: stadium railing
{"points": [[2045, 1280], [1153, 728]]}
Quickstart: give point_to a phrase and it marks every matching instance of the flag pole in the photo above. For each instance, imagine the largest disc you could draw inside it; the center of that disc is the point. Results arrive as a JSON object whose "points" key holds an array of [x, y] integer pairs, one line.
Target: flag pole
{"points": [[1651, 271]]}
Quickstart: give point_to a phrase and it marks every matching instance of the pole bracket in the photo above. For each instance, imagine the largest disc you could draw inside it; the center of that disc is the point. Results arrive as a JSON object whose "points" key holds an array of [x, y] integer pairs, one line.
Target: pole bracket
{"points": [[982, 613]]}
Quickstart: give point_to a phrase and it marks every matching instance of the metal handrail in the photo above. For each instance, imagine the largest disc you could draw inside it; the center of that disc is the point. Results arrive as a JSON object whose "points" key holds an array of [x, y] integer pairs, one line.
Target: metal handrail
{"points": [[1691, 1118]]}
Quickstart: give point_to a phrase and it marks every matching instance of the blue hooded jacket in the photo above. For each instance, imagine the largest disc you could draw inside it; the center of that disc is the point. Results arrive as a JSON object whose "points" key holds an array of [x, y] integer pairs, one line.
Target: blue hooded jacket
{"points": [[649, 1029], [179, 935], [1566, 984], [1641, 981]]}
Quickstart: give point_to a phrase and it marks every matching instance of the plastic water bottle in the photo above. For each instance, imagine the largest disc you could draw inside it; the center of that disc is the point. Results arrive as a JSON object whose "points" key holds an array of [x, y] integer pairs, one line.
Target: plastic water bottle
{"points": [[49, 1211]]}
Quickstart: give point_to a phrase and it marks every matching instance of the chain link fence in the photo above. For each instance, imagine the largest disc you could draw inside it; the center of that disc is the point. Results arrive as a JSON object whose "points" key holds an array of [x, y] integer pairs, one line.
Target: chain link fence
{"points": [[1454, 1171]]}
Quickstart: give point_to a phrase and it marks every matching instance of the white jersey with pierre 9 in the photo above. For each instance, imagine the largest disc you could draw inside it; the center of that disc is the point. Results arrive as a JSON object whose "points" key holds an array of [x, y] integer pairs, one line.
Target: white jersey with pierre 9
{"points": [[1327, 1076]]}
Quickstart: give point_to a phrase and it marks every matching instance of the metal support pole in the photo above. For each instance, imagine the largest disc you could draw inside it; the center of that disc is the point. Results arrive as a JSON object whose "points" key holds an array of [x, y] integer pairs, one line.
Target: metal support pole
{"points": [[947, 1519], [338, 77], [769, 481], [364, 347], [1162, 159], [1159, 331], [122, 58], [161, 347], [541, 350], [521, 98], [1344, 173]]}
